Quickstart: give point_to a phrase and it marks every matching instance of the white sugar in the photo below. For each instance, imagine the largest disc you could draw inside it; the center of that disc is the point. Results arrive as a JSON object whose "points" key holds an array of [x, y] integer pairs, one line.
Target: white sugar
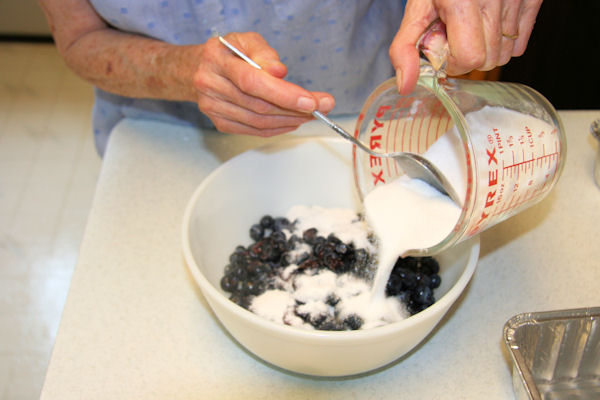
{"points": [[272, 304], [315, 287], [344, 223]]}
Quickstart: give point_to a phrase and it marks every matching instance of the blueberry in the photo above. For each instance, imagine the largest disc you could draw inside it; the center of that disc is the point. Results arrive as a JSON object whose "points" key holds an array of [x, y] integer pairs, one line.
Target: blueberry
{"points": [[424, 296], [256, 249], [293, 241], [353, 322], [278, 236], [267, 222], [240, 300], [408, 278], [317, 319], [254, 267], [319, 249], [256, 232], [239, 287], [341, 248], [269, 252], [430, 265], [393, 286], [240, 249], [436, 280], [333, 239], [331, 260], [309, 263], [252, 287], [330, 324], [407, 263], [310, 235], [238, 259], [332, 300], [240, 273], [281, 223], [226, 283], [422, 279]]}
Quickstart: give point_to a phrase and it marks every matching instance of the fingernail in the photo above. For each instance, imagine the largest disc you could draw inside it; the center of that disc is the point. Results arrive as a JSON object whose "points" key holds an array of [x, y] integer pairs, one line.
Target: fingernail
{"points": [[399, 79], [306, 104], [326, 104]]}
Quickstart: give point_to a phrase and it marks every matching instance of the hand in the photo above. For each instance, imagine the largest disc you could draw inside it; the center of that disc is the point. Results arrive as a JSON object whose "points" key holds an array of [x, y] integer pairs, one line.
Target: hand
{"points": [[239, 98], [482, 34]]}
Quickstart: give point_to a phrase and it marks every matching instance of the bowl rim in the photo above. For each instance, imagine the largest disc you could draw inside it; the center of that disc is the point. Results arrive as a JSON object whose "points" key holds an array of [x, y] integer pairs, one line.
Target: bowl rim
{"points": [[330, 337]]}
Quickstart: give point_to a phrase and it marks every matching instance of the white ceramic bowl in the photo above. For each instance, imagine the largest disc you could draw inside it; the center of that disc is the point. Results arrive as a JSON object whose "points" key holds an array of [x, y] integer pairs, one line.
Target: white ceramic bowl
{"points": [[309, 171]]}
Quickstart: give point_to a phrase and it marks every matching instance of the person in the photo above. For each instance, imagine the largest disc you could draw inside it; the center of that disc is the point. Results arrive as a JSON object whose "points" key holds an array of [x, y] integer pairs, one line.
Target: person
{"points": [[160, 59]]}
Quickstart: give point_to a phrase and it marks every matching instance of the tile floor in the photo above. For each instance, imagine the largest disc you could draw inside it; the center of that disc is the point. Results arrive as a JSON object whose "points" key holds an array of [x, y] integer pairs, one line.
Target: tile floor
{"points": [[48, 173]]}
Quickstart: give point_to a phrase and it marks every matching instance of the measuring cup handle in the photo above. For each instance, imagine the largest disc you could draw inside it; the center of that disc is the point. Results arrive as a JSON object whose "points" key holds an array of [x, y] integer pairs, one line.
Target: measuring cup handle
{"points": [[433, 45]]}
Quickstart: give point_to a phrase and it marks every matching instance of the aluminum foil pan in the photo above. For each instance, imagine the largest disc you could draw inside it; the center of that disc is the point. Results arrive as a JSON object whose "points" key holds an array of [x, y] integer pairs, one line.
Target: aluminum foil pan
{"points": [[556, 354]]}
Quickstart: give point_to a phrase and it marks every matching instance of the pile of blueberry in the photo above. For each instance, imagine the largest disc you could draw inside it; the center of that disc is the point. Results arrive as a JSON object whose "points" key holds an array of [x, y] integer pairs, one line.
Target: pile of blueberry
{"points": [[253, 269], [413, 280]]}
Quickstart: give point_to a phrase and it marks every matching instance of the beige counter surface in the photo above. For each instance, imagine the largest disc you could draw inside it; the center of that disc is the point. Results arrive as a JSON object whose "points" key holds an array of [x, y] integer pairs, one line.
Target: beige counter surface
{"points": [[135, 326]]}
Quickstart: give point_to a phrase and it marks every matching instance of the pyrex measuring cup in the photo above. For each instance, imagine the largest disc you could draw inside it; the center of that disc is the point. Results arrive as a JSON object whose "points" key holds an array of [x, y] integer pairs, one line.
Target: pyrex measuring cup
{"points": [[510, 148]]}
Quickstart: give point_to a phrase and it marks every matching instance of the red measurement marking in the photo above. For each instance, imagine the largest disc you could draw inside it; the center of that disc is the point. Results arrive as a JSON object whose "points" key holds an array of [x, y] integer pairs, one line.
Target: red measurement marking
{"points": [[437, 128], [360, 118], [391, 165], [447, 123], [438, 111]]}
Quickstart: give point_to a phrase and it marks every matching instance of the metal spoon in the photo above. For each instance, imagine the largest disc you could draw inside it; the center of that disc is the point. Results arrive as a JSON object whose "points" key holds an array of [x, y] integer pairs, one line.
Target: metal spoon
{"points": [[413, 165]]}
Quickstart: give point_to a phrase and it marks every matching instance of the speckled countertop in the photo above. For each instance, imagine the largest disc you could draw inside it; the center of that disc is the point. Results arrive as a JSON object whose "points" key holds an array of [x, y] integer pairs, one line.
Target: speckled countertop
{"points": [[135, 326]]}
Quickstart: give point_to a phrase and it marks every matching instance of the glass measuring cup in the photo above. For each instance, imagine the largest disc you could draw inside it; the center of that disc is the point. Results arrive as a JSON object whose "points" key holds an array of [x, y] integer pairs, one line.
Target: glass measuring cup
{"points": [[510, 145]]}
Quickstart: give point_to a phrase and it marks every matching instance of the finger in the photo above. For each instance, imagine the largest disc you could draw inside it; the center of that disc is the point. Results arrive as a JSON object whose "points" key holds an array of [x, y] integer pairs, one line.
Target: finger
{"points": [[234, 127], [325, 100], [218, 88], [262, 85], [217, 109], [214, 87], [491, 15], [510, 29], [510, 18], [229, 118], [418, 15], [466, 36], [528, 14]]}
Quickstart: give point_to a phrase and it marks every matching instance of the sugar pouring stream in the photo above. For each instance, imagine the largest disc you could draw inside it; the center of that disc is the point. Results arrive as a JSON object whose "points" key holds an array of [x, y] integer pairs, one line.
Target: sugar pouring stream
{"points": [[413, 165]]}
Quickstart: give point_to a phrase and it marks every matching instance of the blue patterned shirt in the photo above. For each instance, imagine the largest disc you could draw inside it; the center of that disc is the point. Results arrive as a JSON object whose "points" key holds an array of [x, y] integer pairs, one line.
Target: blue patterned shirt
{"points": [[335, 46]]}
